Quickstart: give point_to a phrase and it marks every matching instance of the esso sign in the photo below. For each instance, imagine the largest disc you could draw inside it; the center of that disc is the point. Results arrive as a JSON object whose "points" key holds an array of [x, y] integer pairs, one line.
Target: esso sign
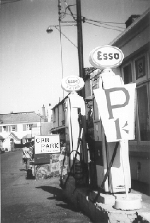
{"points": [[72, 83], [106, 57]]}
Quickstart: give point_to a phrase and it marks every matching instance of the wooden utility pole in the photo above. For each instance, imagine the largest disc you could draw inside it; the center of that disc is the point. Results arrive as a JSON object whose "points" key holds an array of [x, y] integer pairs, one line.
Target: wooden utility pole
{"points": [[80, 42], [82, 92]]}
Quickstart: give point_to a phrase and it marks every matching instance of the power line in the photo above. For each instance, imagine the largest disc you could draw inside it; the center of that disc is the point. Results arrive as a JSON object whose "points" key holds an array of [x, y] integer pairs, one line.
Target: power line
{"points": [[106, 27], [109, 24], [103, 22], [68, 7], [65, 36], [3, 2]]}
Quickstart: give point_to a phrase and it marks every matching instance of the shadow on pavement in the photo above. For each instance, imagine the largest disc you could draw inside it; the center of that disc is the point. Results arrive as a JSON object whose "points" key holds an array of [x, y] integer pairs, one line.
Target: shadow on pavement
{"points": [[23, 170], [52, 190], [58, 196]]}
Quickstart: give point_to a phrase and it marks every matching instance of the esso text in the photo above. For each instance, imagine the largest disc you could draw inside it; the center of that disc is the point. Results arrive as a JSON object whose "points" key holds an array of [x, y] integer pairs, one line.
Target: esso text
{"points": [[107, 56]]}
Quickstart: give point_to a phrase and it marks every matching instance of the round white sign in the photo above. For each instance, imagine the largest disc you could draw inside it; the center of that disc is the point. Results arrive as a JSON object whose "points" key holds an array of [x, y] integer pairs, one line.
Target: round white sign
{"points": [[72, 83], [106, 57]]}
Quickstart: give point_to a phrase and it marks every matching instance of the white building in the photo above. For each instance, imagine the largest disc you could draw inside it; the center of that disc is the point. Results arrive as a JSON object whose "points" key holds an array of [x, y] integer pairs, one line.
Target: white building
{"points": [[22, 126], [135, 44]]}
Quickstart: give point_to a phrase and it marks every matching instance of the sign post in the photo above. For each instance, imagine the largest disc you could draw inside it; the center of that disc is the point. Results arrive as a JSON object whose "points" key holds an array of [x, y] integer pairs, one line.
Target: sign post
{"points": [[75, 124], [43, 147], [116, 106]]}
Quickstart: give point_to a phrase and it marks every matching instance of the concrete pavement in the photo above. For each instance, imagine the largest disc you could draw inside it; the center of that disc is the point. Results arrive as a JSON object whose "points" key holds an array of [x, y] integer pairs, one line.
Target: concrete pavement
{"points": [[105, 213], [33, 201]]}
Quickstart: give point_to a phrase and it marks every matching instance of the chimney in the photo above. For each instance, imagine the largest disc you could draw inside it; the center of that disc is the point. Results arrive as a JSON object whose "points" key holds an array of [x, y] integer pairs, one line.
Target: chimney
{"points": [[131, 19], [49, 113], [43, 112]]}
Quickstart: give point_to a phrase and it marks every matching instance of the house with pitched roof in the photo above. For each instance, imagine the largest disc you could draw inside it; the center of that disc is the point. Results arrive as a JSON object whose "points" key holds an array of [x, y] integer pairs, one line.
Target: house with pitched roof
{"points": [[22, 127]]}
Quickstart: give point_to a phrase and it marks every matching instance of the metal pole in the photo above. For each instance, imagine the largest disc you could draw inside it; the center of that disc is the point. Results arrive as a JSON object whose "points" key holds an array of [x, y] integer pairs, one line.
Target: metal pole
{"points": [[59, 18]]}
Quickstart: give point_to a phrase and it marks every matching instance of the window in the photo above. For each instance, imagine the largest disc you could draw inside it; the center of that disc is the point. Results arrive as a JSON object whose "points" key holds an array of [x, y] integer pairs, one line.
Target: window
{"points": [[5, 128], [34, 125], [30, 126], [54, 114], [127, 71], [14, 128], [24, 127], [140, 67], [137, 70], [143, 113]]}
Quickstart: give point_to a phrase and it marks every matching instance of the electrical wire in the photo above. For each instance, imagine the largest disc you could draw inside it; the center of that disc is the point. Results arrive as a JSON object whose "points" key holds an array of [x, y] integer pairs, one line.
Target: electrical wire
{"points": [[65, 36], [2, 2], [68, 7], [96, 21], [107, 24], [73, 23], [103, 22], [106, 27]]}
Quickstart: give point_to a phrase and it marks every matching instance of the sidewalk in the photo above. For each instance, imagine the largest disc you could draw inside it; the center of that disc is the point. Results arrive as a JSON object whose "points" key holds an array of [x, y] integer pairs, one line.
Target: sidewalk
{"points": [[105, 213]]}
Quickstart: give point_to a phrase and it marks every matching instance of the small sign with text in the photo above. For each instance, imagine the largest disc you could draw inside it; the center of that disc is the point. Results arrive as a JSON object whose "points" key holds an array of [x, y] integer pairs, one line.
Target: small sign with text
{"points": [[47, 144]]}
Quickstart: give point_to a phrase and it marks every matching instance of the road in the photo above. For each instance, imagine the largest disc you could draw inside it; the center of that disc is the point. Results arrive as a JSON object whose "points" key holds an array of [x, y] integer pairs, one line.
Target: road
{"points": [[31, 201]]}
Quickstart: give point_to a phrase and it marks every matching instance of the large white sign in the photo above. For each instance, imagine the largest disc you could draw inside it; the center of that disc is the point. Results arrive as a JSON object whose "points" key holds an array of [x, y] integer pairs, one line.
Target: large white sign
{"points": [[116, 108], [106, 57], [47, 144]]}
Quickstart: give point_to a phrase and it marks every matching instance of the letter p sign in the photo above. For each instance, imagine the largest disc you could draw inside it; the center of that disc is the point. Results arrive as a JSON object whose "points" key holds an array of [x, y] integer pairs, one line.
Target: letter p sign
{"points": [[116, 108], [109, 103]]}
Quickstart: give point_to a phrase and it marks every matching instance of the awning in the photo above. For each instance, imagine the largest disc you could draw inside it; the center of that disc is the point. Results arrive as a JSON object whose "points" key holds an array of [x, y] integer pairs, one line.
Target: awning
{"points": [[58, 128]]}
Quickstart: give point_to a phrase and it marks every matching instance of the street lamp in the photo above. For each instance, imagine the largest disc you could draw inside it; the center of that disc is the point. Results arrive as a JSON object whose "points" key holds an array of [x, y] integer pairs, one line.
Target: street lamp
{"points": [[77, 22], [58, 27], [49, 30]]}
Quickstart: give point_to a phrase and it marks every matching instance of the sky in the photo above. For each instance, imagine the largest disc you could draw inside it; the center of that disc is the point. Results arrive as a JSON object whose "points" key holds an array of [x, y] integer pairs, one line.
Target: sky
{"points": [[31, 67]]}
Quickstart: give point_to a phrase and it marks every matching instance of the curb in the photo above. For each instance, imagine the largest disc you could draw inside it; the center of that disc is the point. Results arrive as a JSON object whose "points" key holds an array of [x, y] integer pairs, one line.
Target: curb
{"points": [[103, 213]]}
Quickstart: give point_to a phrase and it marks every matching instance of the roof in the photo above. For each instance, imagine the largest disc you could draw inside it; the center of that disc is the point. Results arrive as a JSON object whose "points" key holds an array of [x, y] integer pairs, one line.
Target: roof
{"points": [[27, 136], [22, 117], [10, 135], [14, 136], [134, 27], [61, 102]]}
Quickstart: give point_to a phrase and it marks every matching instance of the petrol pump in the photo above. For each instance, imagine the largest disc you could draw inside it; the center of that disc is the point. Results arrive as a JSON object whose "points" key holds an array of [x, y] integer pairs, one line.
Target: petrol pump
{"points": [[115, 182], [116, 113], [74, 111]]}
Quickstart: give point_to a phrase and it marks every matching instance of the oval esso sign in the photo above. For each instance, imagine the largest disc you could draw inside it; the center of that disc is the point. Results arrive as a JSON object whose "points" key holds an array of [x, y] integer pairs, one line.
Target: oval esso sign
{"points": [[72, 83], [106, 57]]}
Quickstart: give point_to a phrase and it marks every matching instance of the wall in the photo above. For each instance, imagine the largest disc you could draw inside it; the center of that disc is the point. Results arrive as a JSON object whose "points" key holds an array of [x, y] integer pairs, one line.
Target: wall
{"points": [[135, 43]]}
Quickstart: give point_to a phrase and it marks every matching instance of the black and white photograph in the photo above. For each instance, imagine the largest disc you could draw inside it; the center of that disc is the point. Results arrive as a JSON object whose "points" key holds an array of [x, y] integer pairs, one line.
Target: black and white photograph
{"points": [[75, 111]]}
